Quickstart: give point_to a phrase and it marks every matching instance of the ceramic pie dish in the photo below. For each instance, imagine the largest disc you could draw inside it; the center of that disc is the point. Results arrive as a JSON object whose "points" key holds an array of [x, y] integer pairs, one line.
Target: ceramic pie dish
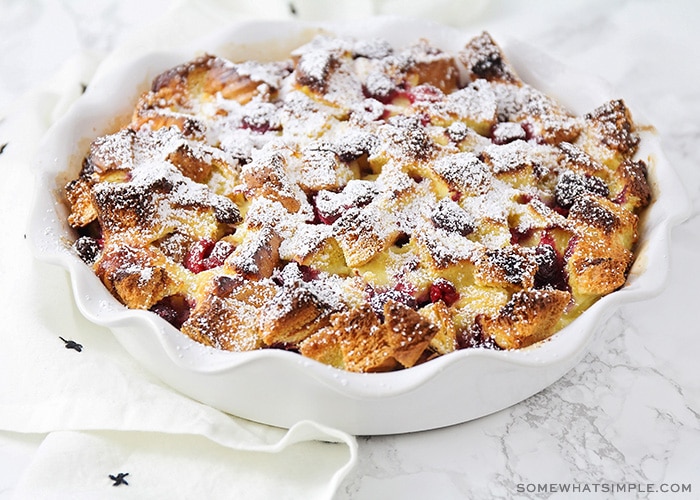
{"points": [[281, 388]]}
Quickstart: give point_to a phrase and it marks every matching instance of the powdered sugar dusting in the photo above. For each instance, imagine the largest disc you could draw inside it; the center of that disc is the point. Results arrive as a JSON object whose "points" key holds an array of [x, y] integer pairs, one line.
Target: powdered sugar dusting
{"points": [[266, 198], [464, 171]]}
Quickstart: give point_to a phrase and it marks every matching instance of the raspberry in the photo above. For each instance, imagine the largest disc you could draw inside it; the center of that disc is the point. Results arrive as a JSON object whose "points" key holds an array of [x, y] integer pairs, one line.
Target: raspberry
{"points": [[218, 255], [207, 254], [425, 93], [445, 291], [320, 218], [550, 265], [308, 273], [88, 248], [174, 309], [473, 337]]}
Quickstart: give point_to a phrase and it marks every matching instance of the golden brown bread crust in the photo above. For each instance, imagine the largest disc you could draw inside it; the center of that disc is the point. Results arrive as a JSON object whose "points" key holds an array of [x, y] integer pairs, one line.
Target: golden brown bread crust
{"points": [[358, 340], [292, 315], [369, 207], [439, 315], [138, 276], [600, 254], [82, 211], [529, 317], [483, 59]]}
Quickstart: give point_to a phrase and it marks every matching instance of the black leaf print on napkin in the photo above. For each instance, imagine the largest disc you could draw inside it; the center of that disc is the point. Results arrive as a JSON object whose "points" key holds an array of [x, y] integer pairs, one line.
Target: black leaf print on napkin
{"points": [[70, 344]]}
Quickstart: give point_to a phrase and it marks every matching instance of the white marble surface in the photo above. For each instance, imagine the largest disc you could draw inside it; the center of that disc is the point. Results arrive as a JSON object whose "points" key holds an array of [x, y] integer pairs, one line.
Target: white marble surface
{"points": [[629, 413]]}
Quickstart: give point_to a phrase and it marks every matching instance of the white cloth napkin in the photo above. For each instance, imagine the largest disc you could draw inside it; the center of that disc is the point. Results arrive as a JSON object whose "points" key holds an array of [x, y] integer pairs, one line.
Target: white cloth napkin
{"points": [[102, 413]]}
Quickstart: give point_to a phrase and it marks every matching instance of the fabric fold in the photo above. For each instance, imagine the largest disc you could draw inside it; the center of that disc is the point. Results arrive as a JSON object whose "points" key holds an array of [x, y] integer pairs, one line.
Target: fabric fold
{"points": [[78, 465]]}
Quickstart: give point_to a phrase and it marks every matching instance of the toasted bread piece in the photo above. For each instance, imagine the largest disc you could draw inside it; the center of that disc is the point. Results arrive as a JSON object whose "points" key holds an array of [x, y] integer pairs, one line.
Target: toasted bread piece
{"points": [[362, 235], [430, 66], [325, 346], [322, 169], [484, 59], [577, 160], [268, 178], [228, 316], [357, 340], [439, 315], [364, 345], [609, 134], [136, 276], [224, 324], [190, 164], [408, 333], [529, 317], [82, 211], [292, 315], [258, 255], [600, 255], [464, 173], [210, 75], [474, 105], [510, 268], [521, 164], [630, 185]]}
